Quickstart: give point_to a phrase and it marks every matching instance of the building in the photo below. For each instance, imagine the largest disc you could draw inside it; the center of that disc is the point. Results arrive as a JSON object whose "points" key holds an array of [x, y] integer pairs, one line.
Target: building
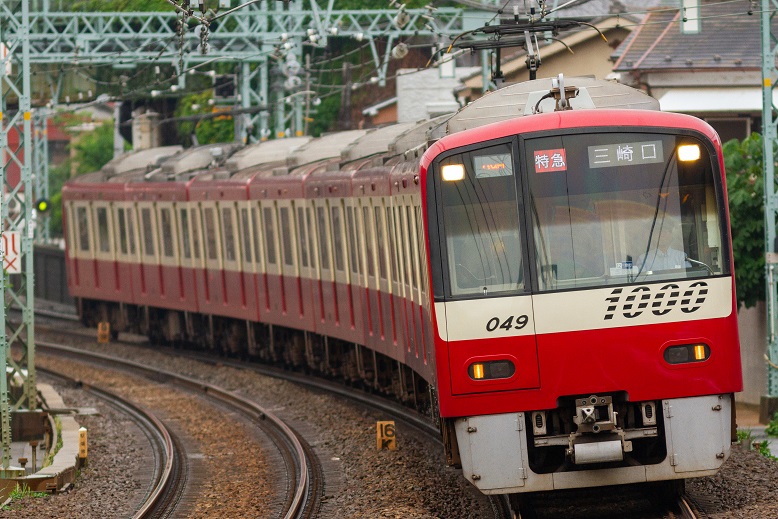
{"points": [[712, 69]]}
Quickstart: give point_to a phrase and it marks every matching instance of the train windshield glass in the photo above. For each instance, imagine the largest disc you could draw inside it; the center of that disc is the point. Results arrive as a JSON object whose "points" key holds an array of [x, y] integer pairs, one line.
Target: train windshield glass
{"points": [[620, 208], [481, 222]]}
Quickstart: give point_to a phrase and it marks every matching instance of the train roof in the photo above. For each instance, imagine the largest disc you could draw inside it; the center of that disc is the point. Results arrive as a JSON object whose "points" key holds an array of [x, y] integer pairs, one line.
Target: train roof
{"points": [[521, 99], [141, 159], [192, 160], [265, 152]]}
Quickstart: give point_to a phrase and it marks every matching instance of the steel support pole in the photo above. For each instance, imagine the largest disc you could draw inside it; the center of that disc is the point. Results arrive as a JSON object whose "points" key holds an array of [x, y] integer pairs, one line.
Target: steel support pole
{"points": [[16, 203], [769, 402]]}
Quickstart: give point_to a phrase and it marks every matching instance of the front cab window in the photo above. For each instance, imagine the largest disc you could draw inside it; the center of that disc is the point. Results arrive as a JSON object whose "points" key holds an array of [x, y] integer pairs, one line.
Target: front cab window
{"points": [[481, 246]]}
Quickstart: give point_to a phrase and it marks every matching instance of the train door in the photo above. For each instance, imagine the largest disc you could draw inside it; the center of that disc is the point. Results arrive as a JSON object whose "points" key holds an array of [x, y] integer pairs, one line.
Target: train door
{"points": [[260, 265], [248, 266], [186, 263], [275, 303], [214, 277], [135, 255], [170, 285], [234, 290], [356, 278], [401, 290], [105, 259], [83, 258], [150, 264], [306, 269], [124, 258], [329, 308], [288, 261], [317, 301], [198, 257], [384, 293]]}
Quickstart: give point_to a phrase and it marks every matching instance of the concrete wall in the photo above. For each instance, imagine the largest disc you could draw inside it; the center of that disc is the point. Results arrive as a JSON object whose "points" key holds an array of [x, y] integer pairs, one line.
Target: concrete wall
{"points": [[753, 346]]}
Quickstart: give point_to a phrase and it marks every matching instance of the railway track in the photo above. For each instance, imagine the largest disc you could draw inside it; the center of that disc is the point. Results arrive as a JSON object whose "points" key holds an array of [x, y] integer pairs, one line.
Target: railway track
{"points": [[303, 470], [499, 505], [639, 501], [170, 470]]}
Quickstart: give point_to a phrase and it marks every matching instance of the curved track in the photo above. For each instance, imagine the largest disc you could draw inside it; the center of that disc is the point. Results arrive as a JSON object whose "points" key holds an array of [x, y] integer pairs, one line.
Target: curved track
{"points": [[169, 473], [304, 494]]}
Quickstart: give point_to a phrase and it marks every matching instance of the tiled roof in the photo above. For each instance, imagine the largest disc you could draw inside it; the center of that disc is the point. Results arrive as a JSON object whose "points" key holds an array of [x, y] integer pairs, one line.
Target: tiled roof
{"points": [[729, 39]]}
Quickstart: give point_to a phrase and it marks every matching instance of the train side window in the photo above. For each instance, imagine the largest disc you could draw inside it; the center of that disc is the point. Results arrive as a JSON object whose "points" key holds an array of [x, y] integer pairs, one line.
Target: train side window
{"points": [[302, 236], [131, 229], [195, 232], [186, 244], [167, 232], [369, 247], [83, 228], [423, 274], [270, 235], [412, 248], [311, 235], [122, 222], [392, 244], [229, 234], [246, 234], [211, 247], [352, 238], [321, 221], [103, 236], [337, 239], [286, 237], [379, 238], [402, 250], [257, 240], [148, 231]]}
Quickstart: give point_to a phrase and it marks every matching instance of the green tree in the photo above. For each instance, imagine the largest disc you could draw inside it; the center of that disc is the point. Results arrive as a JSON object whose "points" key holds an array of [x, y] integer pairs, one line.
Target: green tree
{"points": [[207, 130], [743, 162]]}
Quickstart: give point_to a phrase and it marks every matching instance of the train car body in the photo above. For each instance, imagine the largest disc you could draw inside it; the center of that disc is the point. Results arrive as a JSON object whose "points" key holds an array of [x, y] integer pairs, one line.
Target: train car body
{"points": [[547, 273]]}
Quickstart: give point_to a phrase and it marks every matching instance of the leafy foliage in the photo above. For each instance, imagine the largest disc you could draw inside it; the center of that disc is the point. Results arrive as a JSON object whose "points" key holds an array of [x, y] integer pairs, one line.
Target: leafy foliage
{"points": [[772, 427], [207, 131], [743, 162]]}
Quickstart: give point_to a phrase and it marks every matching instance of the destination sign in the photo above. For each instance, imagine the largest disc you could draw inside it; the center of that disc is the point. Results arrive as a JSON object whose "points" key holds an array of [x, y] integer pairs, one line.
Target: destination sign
{"points": [[625, 154]]}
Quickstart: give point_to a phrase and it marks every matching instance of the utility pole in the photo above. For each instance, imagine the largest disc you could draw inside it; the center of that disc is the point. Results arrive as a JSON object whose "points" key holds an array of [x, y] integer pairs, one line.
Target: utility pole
{"points": [[15, 225], [769, 402]]}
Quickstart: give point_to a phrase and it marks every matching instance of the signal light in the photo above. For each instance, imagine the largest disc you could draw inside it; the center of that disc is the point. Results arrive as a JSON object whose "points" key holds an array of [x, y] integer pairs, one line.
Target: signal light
{"points": [[492, 369], [42, 205], [687, 353]]}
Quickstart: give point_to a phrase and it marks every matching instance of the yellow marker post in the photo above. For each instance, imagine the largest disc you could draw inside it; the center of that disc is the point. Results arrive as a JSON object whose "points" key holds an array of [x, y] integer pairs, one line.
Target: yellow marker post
{"points": [[82, 446], [103, 332], [386, 437]]}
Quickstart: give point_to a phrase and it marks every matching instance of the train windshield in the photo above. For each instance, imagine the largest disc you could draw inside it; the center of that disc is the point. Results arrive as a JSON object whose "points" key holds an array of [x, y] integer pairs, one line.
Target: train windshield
{"points": [[592, 209], [481, 219], [615, 208]]}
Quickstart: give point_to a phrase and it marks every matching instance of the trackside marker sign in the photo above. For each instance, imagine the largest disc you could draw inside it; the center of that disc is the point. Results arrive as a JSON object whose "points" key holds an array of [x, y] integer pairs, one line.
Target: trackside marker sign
{"points": [[10, 249]]}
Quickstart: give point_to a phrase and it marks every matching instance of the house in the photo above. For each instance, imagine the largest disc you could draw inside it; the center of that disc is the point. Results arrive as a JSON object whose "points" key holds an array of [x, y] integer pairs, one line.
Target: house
{"points": [[582, 51], [712, 71]]}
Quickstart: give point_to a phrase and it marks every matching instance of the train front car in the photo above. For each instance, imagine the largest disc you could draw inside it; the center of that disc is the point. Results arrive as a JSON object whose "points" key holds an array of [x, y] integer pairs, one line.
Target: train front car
{"points": [[586, 331]]}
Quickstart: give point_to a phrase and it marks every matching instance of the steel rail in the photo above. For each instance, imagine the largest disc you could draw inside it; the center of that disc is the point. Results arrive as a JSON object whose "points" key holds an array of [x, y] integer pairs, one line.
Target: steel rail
{"points": [[299, 500], [158, 434]]}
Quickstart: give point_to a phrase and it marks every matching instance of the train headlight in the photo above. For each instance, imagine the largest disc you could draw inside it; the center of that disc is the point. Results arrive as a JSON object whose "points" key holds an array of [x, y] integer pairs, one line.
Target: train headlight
{"points": [[453, 172], [688, 152], [492, 369], [687, 353]]}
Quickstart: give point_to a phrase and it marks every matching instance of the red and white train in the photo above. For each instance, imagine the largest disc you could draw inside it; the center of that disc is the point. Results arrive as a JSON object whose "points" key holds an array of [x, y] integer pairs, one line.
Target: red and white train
{"points": [[548, 272]]}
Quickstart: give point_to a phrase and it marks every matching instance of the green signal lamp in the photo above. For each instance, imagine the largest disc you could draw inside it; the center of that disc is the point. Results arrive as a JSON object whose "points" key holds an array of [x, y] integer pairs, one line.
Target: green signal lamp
{"points": [[42, 206]]}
